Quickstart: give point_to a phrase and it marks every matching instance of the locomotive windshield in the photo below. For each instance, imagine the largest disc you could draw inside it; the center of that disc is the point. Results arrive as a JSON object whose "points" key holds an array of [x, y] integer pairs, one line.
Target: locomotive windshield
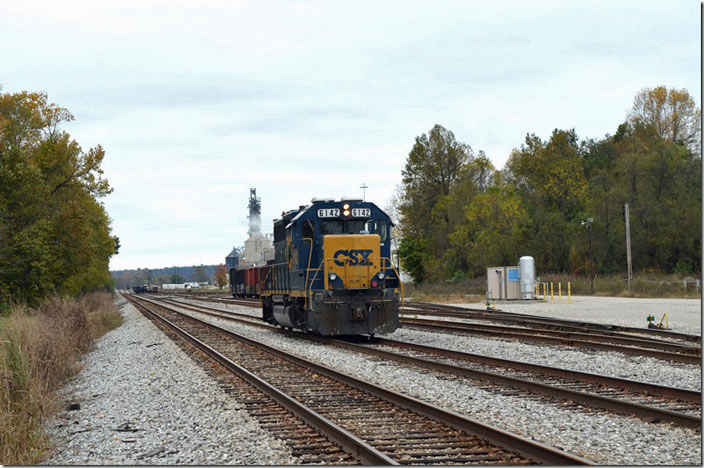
{"points": [[377, 226], [333, 226], [356, 226]]}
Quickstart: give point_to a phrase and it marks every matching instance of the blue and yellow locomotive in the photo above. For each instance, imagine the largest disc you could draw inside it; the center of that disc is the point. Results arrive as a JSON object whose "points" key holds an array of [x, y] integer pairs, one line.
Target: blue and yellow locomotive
{"points": [[332, 273]]}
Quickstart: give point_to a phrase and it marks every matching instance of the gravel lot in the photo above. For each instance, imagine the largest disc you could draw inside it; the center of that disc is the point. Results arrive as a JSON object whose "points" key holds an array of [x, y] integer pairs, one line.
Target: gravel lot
{"points": [[136, 378], [685, 315], [143, 394]]}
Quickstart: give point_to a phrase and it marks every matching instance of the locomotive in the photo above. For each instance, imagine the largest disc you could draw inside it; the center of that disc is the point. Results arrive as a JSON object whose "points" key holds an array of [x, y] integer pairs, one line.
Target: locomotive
{"points": [[332, 272]]}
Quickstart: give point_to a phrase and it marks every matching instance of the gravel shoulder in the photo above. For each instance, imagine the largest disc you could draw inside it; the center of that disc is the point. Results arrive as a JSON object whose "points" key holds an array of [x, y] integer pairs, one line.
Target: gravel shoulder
{"points": [[144, 401]]}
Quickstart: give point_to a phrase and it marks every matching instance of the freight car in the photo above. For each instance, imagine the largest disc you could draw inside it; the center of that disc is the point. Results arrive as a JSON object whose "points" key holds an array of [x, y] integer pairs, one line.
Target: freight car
{"points": [[247, 281], [139, 289], [332, 273]]}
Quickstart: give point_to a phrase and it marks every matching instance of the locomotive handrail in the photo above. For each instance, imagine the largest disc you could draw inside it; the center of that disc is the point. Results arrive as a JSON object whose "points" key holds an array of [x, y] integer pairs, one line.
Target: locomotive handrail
{"points": [[310, 257]]}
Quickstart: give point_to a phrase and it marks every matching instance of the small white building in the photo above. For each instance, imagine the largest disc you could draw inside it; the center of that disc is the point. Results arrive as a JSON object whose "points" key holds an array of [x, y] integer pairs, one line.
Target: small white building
{"points": [[183, 285], [511, 282]]}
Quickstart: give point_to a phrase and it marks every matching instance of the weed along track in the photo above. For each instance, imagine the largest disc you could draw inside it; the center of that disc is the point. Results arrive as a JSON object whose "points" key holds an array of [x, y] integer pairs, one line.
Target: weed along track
{"points": [[372, 424]]}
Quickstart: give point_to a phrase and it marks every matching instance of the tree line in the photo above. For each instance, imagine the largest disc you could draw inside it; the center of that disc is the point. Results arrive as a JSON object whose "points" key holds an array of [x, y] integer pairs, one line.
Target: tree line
{"points": [[125, 279], [55, 235], [459, 214]]}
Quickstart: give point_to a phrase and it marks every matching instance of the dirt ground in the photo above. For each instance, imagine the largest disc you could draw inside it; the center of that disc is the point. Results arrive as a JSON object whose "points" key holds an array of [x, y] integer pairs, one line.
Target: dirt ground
{"points": [[684, 315]]}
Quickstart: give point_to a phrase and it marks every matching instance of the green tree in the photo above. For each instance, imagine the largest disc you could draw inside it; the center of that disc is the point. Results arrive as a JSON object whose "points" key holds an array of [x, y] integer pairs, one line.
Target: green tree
{"points": [[177, 279], [56, 234], [661, 181], [494, 231], [413, 254], [434, 166], [549, 176], [200, 275]]}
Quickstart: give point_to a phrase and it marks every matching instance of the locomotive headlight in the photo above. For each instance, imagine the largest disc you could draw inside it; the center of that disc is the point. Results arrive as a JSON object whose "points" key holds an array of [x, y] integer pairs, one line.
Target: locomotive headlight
{"points": [[332, 277], [382, 275], [346, 212], [346, 206]]}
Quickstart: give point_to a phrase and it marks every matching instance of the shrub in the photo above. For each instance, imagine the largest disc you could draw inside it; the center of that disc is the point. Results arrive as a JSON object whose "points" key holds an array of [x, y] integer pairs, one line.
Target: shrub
{"points": [[39, 351]]}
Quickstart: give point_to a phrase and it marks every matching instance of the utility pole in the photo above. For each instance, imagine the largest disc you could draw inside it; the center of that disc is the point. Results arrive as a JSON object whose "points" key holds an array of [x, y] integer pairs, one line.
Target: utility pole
{"points": [[364, 188], [628, 247], [588, 223]]}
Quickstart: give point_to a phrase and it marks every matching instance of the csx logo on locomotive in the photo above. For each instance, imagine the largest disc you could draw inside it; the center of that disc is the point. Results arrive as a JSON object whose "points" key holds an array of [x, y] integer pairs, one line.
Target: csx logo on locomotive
{"points": [[352, 257]]}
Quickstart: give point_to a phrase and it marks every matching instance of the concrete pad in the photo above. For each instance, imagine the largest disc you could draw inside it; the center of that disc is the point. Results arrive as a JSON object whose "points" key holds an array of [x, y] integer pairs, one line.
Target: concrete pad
{"points": [[685, 315]]}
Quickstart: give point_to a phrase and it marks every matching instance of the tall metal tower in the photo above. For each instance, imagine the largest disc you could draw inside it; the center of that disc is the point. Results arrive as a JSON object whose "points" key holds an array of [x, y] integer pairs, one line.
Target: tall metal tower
{"points": [[255, 212]]}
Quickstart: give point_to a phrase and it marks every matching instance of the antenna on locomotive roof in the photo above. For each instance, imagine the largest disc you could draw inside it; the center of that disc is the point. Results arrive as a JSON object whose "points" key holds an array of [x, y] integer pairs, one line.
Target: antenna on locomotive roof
{"points": [[364, 188]]}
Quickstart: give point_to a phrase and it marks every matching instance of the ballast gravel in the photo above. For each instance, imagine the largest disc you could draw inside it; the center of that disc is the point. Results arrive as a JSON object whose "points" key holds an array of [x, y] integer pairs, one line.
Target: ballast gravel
{"points": [[613, 364], [140, 400], [599, 436]]}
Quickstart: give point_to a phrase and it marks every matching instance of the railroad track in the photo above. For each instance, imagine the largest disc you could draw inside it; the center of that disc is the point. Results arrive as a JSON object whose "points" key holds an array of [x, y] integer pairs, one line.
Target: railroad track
{"points": [[543, 329], [445, 310], [593, 340], [648, 401], [379, 426]]}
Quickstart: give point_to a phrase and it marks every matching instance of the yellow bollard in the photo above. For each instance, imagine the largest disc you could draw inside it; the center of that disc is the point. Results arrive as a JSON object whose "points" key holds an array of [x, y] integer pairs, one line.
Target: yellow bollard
{"points": [[536, 290], [552, 292], [569, 293], [545, 292], [494, 304], [559, 291]]}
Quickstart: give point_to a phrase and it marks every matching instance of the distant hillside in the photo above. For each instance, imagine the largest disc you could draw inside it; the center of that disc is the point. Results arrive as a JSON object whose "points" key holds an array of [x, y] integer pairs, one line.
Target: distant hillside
{"points": [[126, 278]]}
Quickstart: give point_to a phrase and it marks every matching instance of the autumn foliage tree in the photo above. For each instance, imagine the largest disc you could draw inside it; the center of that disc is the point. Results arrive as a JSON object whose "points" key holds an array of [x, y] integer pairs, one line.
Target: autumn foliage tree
{"points": [[221, 275], [54, 233], [459, 215]]}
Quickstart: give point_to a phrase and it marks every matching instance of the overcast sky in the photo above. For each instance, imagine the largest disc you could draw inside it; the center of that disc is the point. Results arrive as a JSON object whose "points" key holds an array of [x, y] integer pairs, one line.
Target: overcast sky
{"points": [[195, 102]]}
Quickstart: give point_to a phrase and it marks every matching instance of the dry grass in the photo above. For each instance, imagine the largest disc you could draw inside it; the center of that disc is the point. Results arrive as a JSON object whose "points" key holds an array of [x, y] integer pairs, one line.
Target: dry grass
{"points": [[40, 350], [644, 285], [451, 292]]}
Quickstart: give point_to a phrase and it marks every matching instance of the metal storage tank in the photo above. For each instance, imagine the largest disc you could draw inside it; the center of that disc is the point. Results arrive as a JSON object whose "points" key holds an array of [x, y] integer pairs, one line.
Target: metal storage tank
{"points": [[526, 271]]}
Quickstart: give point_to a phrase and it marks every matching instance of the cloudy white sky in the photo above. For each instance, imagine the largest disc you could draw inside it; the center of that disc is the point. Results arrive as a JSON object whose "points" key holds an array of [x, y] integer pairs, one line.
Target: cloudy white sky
{"points": [[197, 101]]}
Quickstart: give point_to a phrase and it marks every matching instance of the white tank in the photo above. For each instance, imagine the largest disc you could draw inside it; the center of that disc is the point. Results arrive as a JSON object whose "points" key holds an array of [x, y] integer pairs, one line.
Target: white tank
{"points": [[526, 273]]}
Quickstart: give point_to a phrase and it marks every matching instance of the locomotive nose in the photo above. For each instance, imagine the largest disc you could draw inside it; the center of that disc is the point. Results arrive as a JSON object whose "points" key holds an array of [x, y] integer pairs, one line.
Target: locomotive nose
{"points": [[353, 258]]}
